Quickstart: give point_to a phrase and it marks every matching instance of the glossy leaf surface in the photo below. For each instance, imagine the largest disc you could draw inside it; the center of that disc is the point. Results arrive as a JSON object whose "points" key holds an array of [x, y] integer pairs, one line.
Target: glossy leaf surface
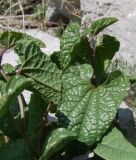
{"points": [[98, 25], [38, 66], [86, 110], [70, 38], [10, 38]]}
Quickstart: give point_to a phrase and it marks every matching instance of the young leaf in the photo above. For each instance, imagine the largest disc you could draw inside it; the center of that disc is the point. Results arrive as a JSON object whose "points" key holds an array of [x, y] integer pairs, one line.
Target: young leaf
{"points": [[104, 52], [115, 146], [16, 150], [13, 88], [8, 68], [39, 67], [98, 25], [58, 139], [86, 110], [81, 51], [70, 38], [10, 38]]}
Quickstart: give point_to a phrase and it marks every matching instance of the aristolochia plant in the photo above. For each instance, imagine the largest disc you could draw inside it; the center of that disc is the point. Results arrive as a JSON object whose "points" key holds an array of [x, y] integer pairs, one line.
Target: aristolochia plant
{"points": [[76, 84]]}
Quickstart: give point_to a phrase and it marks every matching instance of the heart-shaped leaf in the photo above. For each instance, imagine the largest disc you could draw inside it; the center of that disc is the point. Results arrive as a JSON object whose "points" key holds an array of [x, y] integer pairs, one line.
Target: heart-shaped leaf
{"points": [[86, 110]]}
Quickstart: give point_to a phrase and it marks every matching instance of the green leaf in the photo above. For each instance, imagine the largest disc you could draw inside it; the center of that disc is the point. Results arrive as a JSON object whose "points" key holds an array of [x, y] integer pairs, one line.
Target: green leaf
{"points": [[81, 51], [98, 25], [55, 58], [115, 146], [16, 150], [2, 88], [13, 88], [2, 141], [39, 67], [58, 139], [104, 53], [6, 125], [8, 68], [86, 110], [70, 38], [37, 108], [10, 38], [107, 47]]}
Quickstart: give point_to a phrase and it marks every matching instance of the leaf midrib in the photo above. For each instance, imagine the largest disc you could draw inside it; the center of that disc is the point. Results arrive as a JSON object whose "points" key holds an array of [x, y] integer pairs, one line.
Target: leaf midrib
{"points": [[57, 90]]}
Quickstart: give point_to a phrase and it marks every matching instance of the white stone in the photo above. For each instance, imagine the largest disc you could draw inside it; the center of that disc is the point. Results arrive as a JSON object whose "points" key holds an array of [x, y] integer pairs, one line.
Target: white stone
{"points": [[61, 7], [124, 30]]}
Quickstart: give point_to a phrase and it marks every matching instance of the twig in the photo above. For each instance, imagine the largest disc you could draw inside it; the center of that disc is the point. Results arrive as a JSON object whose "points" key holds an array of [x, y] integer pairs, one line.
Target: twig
{"points": [[5, 27], [6, 139], [21, 107], [8, 10], [6, 77], [22, 10], [18, 16], [28, 24], [22, 113]]}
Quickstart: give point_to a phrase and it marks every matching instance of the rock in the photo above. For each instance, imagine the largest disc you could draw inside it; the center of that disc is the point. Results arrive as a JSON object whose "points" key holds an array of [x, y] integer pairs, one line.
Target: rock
{"points": [[127, 121], [61, 9], [52, 43], [124, 30], [87, 156]]}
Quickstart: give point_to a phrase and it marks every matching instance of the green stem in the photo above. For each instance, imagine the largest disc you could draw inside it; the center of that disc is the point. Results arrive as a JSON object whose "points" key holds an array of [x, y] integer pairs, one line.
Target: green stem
{"points": [[44, 127]]}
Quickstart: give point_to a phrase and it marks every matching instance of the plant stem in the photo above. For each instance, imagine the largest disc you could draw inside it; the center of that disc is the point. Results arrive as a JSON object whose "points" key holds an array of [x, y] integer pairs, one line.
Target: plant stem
{"points": [[43, 15], [22, 113], [6, 139], [6, 77], [45, 125], [22, 10]]}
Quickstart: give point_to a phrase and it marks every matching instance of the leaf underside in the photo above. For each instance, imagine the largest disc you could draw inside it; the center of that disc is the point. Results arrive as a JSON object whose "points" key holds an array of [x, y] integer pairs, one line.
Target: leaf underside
{"points": [[36, 108], [13, 88], [115, 146], [16, 150], [57, 141]]}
